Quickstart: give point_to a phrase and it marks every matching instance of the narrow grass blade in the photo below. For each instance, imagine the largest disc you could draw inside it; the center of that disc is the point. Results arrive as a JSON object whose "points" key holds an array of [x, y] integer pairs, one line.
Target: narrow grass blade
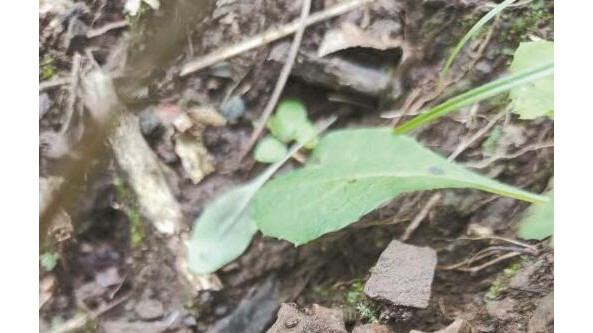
{"points": [[478, 94], [471, 33]]}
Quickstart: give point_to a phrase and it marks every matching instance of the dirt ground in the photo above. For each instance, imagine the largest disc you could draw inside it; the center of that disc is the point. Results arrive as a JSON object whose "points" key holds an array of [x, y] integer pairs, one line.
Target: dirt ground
{"points": [[107, 267]]}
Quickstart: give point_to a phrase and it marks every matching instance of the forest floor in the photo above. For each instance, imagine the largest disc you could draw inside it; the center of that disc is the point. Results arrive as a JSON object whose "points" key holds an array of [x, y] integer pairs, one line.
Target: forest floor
{"points": [[109, 263]]}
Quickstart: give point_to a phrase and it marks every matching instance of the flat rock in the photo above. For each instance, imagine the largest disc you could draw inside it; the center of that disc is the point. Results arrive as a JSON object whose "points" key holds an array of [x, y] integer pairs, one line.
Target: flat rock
{"points": [[501, 310], [121, 326], [372, 328], [316, 319], [403, 275], [253, 313], [543, 317], [458, 326], [149, 309]]}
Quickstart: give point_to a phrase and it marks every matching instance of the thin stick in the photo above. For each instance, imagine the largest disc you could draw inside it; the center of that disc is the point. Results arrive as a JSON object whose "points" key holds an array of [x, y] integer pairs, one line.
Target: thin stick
{"points": [[106, 28], [485, 163], [60, 81], [268, 36], [286, 69], [504, 239], [492, 262], [421, 216], [463, 146]]}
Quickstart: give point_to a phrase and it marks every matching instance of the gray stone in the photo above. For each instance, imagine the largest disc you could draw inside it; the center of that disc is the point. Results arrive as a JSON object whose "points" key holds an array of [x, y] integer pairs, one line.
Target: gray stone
{"points": [[372, 328], [458, 326], [121, 326], [543, 316], [403, 275], [502, 310], [149, 309]]}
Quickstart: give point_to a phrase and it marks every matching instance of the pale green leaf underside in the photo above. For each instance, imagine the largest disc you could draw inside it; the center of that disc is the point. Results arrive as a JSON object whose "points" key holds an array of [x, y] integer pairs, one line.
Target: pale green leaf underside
{"points": [[222, 232], [269, 150], [539, 222], [352, 172], [536, 99]]}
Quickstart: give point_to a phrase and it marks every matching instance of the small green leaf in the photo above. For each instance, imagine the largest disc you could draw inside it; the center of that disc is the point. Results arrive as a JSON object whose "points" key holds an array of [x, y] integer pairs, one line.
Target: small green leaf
{"points": [[539, 222], [535, 99], [352, 172], [290, 123], [270, 150], [49, 260]]}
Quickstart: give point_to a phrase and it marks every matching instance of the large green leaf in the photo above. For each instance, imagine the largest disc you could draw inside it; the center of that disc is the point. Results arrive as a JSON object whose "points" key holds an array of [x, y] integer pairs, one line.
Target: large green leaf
{"points": [[535, 99], [224, 230], [350, 173], [539, 222]]}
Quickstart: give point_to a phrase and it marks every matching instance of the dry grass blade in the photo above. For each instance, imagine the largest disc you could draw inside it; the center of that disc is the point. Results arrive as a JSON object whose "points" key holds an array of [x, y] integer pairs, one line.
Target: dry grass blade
{"points": [[471, 33]]}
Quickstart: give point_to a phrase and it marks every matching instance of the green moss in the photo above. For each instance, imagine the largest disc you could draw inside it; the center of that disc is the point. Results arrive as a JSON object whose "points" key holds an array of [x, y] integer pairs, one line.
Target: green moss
{"points": [[366, 313], [526, 21], [355, 293], [501, 281], [47, 66], [132, 211], [495, 288]]}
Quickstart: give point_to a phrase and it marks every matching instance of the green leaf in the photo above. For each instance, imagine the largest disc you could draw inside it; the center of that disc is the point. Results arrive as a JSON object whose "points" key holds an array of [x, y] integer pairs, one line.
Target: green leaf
{"points": [[290, 123], [472, 32], [224, 230], [270, 150], [539, 222], [479, 94], [49, 260], [352, 172], [535, 99]]}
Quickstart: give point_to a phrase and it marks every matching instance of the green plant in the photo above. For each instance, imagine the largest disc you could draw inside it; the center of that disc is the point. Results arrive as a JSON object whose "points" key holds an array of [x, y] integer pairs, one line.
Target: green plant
{"points": [[502, 85], [49, 260], [539, 222], [270, 150], [366, 313], [290, 123], [48, 68], [494, 290], [535, 99], [471, 33], [131, 209], [355, 293], [350, 173], [225, 228]]}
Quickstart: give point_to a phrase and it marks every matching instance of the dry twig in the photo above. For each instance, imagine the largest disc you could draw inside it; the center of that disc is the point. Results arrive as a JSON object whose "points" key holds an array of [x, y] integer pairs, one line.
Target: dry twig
{"points": [[463, 146], [286, 69], [487, 162], [268, 37], [421, 216]]}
